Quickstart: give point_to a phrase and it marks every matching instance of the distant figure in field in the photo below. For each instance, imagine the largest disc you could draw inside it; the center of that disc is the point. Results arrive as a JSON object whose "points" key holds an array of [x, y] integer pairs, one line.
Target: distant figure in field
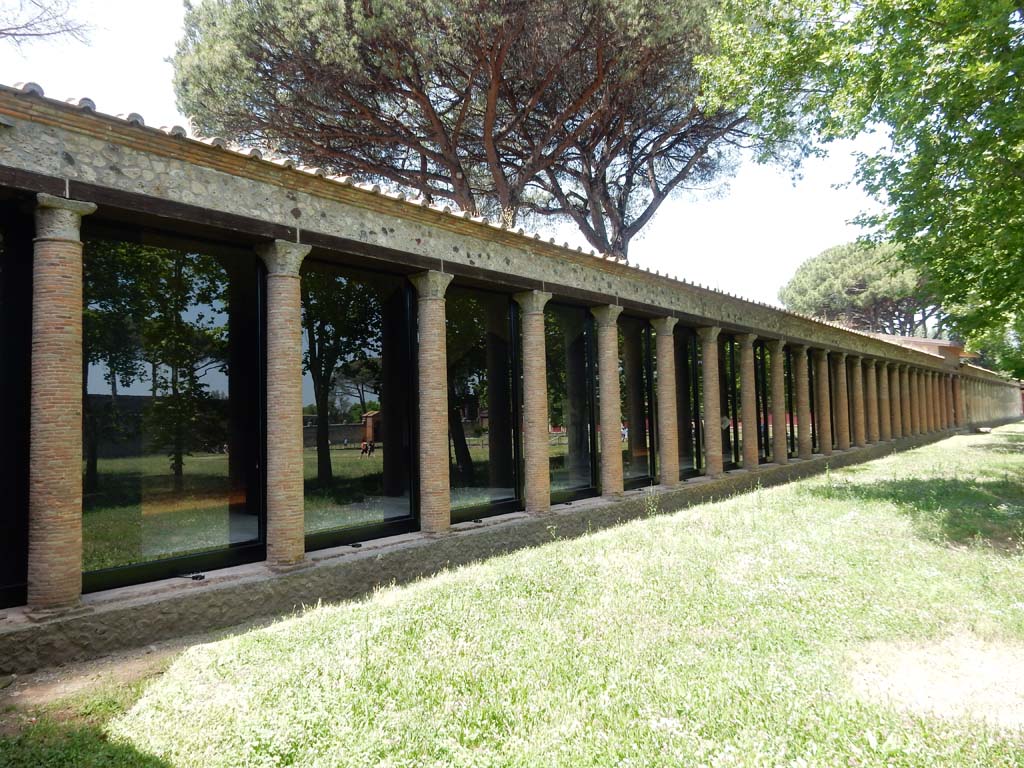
{"points": [[344, 443], [373, 448], [364, 449]]}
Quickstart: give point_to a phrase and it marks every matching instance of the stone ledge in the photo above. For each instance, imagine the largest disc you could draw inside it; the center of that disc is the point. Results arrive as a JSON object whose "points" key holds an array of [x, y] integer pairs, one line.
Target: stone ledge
{"points": [[135, 616]]}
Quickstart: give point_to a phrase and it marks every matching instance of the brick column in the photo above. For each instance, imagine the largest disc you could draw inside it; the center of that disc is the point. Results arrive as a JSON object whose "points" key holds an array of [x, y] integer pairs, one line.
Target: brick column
{"points": [[906, 410], [780, 447], [928, 380], [896, 412], [933, 401], [859, 416], [841, 411], [958, 414], [537, 471], [923, 400], [668, 419], [885, 407], [871, 397], [55, 434], [284, 471], [927, 402], [940, 384], [432, 361], [947, 381], [711, 400], [748, 400], [914, 392], [822, 401], [804, 446], [610, 406]]}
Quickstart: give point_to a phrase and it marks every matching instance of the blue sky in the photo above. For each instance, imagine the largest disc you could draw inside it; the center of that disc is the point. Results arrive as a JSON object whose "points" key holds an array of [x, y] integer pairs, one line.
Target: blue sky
{"points": [[746, 239]]}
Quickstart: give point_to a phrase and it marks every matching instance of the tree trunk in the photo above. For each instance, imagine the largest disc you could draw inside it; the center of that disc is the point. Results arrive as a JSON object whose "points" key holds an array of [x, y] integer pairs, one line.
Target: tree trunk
{"points": [[463, 459], [324, 472], [91, 481], [178, 449]]}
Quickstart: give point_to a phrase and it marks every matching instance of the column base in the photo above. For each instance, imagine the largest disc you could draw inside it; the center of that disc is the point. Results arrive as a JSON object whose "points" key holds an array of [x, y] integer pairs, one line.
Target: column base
{"points": [[290, 567]]}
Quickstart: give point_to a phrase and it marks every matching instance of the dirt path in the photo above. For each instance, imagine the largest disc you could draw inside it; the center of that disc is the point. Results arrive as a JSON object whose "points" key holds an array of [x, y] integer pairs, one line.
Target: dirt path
{"points": [[24, 697]]}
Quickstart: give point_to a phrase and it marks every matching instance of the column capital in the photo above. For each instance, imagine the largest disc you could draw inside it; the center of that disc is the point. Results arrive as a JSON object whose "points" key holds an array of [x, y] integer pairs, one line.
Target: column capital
{"points": [[870, 362], [532, 301], [664, 326], [747, 339], [709, 333], [606, 315], [775, 346], [58, 218], [283, 257], [431, 284], [798, 349], [819, 354], [839, 356]]}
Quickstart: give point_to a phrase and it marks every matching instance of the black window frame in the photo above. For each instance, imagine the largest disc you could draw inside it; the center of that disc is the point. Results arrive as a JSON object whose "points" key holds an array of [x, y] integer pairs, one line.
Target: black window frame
{"points": [[692, 379], [339, 537], [729, 385], [647, 347], [568, 496], [515, 504], [16, 268], [231, 554]]}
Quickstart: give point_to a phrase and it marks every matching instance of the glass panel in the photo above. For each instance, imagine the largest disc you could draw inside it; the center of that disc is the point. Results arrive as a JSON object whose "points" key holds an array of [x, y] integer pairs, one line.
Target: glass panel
{"points": [[481, 443], [357, 365], [687, 404], [16, 233], [568, 347], [791, 433], [171, 407], [764, 417], [812, 392], [729, 383], [637, 396]]}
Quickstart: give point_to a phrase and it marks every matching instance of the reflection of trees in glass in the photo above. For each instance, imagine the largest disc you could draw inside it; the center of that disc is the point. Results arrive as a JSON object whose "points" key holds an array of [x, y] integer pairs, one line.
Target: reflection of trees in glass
{"points": [[566, 343], [479, 380], [357, 380], [467, 374], [155, 313], [118, 296], [342, 321], [186, 338]]}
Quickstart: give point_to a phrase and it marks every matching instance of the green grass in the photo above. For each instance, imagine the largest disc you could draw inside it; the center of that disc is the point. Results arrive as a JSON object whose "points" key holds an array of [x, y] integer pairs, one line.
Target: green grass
{"points": [[136, 516], [719, 635]]}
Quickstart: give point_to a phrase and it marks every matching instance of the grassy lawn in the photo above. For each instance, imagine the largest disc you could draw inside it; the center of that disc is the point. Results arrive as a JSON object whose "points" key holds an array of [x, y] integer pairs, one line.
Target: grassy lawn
{"points": [[728, 634]]}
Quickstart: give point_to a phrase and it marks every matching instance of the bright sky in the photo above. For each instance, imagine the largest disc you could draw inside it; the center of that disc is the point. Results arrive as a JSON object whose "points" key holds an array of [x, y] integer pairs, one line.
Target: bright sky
{"points": [[747, 241]]}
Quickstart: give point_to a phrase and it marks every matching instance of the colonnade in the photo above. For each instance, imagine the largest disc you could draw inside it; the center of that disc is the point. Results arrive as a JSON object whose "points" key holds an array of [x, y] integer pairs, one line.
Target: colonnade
{"points": [[857, 401]]}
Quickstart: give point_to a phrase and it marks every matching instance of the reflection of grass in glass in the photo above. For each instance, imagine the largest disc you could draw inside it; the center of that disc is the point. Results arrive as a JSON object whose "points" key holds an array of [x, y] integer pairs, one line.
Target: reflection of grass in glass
{"points": [[355, 495], [136, 516]]}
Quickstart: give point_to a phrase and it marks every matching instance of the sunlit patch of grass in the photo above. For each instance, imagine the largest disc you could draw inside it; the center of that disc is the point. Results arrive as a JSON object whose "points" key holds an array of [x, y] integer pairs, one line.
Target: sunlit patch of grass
{"points": [[717, 635]]}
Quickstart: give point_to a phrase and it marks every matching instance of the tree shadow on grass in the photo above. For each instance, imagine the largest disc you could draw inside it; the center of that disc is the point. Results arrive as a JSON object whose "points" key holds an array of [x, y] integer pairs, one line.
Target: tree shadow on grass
{"points": [[1007, 442], [51, 743], [950, 510]]}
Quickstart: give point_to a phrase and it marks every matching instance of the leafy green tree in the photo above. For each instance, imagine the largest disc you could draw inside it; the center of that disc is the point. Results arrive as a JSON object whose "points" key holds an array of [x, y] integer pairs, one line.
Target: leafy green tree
{"points": [[1002, 347], [586, 109], [942, 81], [867, 288]]}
